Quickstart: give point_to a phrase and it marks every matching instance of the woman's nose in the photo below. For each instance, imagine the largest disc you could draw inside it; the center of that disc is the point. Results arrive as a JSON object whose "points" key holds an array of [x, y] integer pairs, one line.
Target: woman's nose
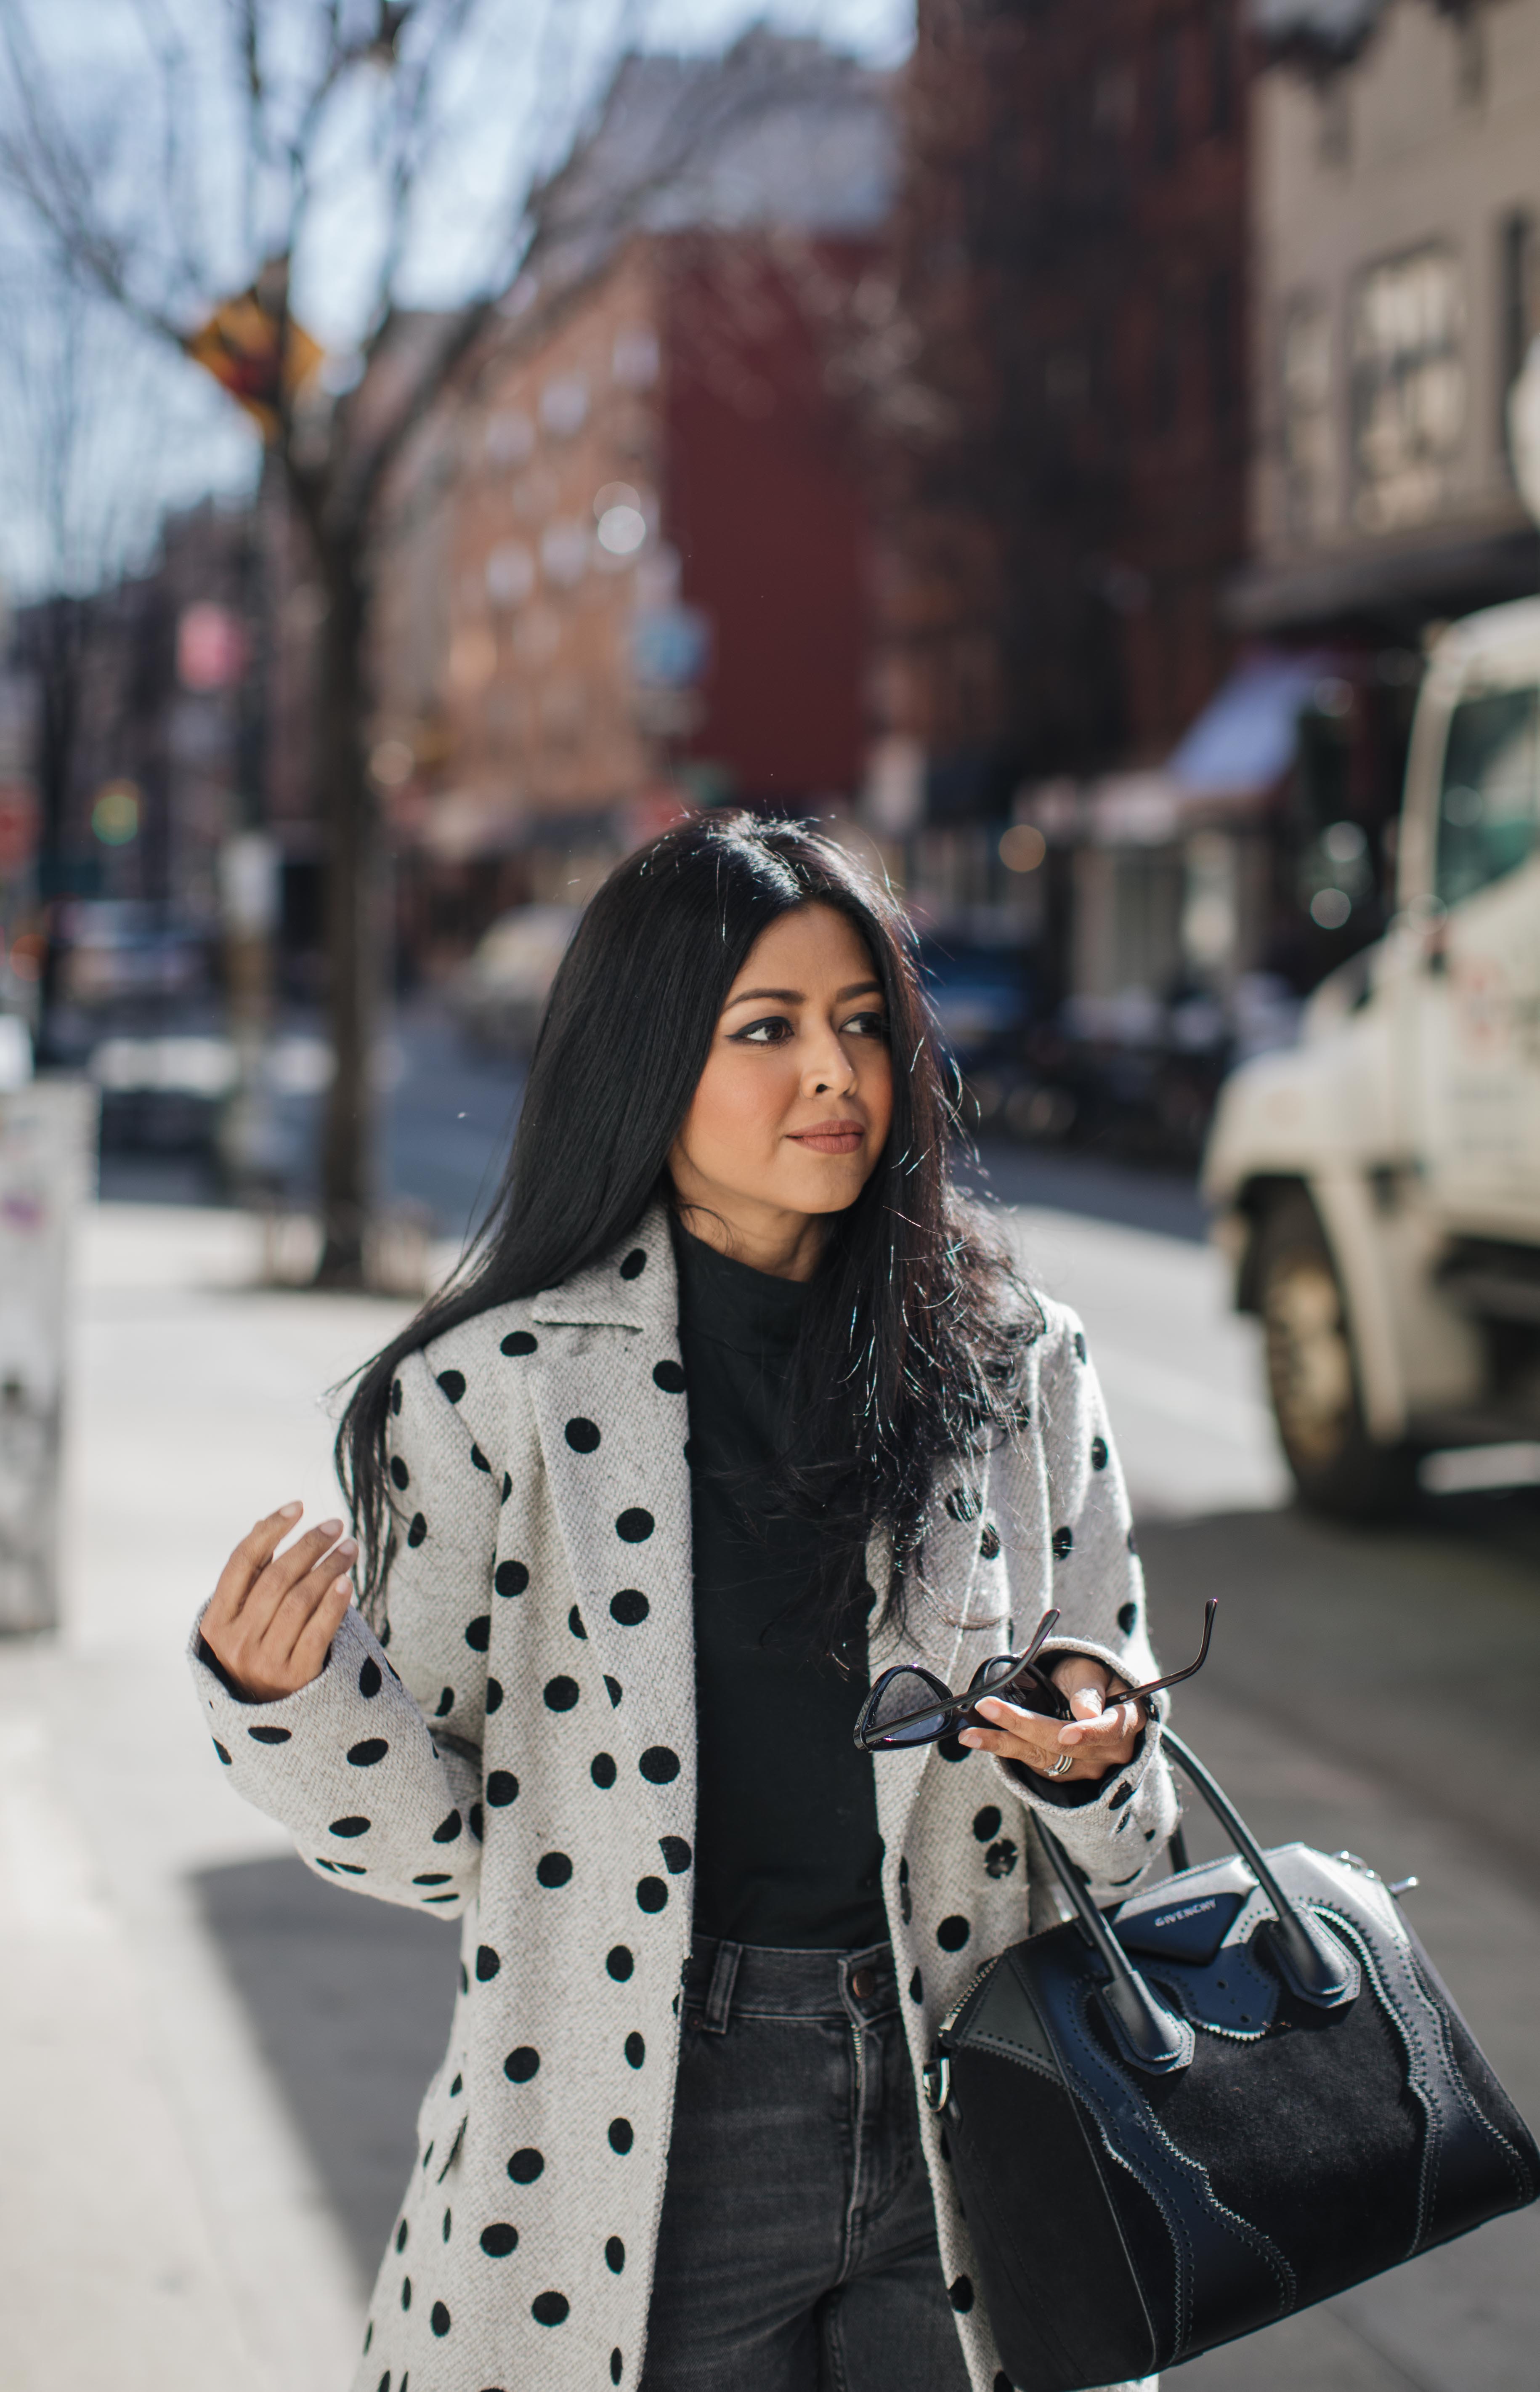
{"points": [[830, 1070]]}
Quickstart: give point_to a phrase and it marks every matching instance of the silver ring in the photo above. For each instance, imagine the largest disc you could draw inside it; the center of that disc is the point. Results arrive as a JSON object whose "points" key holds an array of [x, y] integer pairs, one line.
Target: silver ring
{"points": [[1064, 1763]]}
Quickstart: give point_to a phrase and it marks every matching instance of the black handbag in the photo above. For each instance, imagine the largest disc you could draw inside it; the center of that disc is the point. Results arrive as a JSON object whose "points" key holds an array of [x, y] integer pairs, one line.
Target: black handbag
{"points": [[1233, 2096]]}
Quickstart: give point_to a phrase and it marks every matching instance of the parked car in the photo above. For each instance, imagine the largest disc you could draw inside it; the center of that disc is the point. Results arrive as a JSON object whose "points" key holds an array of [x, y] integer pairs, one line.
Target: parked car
{"points": [[1377, 1190], [498, 997], [119, 949]]}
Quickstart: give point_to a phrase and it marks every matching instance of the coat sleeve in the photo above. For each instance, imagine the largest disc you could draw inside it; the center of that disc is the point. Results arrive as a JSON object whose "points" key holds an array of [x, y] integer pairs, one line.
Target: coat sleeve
{"points": [[375, 1767], [1116, 1828]]}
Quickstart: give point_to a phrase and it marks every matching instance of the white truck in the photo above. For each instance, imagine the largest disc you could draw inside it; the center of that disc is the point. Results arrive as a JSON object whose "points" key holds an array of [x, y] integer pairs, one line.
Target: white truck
{"points": [[1377, 1187]]}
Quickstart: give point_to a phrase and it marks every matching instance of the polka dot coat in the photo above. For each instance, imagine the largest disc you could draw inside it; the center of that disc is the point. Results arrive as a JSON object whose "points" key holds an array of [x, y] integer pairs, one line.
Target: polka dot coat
{"points": [[517, 1751]]}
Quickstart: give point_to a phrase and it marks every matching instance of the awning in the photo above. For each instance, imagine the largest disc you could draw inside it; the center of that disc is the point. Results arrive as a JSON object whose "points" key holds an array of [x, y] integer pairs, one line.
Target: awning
{"points": [[1243, 741]]}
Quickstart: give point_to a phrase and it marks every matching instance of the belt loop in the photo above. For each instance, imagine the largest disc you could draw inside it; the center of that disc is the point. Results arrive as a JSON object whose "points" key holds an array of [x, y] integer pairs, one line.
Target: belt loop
{"points": [[718, 1993]]}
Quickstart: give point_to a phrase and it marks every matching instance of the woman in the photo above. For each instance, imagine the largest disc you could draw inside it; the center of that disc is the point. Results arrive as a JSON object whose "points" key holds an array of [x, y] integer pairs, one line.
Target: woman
{"points": [[731, 1408]]}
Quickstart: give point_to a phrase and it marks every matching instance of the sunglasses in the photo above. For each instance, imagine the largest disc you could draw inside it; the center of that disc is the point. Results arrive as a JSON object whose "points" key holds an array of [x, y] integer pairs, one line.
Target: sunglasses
{"points": [[907, 1706]]}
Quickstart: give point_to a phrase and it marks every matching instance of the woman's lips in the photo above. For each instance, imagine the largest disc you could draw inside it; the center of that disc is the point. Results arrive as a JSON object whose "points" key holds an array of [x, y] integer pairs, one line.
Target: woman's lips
{"points": [[833, 1138]]}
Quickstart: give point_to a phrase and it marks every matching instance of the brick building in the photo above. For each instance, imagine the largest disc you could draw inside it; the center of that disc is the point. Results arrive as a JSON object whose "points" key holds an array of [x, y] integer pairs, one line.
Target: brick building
{"points": [[632, 568]]}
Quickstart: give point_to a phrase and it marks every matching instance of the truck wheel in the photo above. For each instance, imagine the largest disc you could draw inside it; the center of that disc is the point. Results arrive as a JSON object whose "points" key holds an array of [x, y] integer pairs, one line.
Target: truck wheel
{"points": [[1313, 1378]]}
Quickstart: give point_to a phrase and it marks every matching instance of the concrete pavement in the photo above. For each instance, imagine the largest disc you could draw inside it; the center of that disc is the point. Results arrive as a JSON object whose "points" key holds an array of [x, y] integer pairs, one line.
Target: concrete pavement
{"points": [[209, 2065]]}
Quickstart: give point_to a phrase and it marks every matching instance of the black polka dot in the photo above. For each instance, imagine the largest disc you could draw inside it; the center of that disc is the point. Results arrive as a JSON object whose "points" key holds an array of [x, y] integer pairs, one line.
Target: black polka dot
{"points": [[952, 1933], [677, 1854], [1064, 1543], [401, 2236], [629, 1607], [1080, 1346], [1098, 1453], [519, 1341], [525, 2166], [400, 1476], [507, 1488], [350, 1868], [458, 2087], [494, 1695], [1120, 1796], [395, 1396], [1132, 1541], [550, 2308], [916, 1988], [418, 1530], [476, 1821], [636, 2050], [407, 2287], [478, 1632], [616, 2366], [634, 1264], [365, 1755], [554, 1870], [670, 1377], [497, 2241], [370, 1681], [433, 1876], [503, 1788], [445, 1703], [602, 1770], [448, 1830], [453, 1383], [621, 2136], [959, 2294], [659, 1765], [612, 1687], [575, 1622], [521, 2064], [989, 1542], [620, 1963], [511, 1578], [614, 2254], [479, 1460], [487, 1963], [963, 1505], [438, 2317], [1003, 2383], [949, 1749], [349, 1828], [986, 1822], [269, 1734], [223, 1751], [1001, 1858], [1128, 1614], [652, 1893], [560, 1694], [582, 1435], [635, 1527]]}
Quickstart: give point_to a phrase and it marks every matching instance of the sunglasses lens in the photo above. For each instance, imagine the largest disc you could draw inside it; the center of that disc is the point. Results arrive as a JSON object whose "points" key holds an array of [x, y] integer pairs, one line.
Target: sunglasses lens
{"points": [[894, 1715]]}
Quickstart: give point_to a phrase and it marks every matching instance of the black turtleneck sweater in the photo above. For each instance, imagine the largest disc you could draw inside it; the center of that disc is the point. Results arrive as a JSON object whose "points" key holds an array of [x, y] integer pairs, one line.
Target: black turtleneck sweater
{"points": [[786, 1848]]}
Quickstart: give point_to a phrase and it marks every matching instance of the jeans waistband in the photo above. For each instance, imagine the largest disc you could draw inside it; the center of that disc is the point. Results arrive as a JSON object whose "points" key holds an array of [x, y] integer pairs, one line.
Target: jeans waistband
{"points": [[761, 1980]]}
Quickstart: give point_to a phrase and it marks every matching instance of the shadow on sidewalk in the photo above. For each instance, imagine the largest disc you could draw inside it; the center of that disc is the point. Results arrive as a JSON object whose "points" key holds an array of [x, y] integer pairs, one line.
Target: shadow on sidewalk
{"points": [[349, 2002]]}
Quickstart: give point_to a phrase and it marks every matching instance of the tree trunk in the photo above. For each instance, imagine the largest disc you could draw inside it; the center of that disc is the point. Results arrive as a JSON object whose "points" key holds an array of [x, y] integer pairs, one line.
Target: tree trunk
{"points": [[352, 909]]}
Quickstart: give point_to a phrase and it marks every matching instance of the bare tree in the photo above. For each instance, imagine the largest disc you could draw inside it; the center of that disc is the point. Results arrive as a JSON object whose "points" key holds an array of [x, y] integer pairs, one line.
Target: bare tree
{"points": [[331, 147]]}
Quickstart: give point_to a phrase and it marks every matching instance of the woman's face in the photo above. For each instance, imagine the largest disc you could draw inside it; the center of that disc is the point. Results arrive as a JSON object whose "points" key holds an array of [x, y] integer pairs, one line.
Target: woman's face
{"points": [[793, 1109]]}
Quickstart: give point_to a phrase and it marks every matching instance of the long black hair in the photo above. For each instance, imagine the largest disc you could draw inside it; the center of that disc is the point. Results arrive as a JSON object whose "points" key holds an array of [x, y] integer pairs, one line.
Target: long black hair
{"points": [[912, 1349]]}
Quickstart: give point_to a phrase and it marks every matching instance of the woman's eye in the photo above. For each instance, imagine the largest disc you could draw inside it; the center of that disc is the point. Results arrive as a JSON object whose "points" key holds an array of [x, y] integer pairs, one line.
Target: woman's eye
{"points": [[868, 1025], [771, 1032]]}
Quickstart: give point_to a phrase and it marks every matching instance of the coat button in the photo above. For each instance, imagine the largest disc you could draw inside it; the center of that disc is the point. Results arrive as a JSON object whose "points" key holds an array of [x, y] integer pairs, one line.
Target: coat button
{"points": [[864, 1984]]}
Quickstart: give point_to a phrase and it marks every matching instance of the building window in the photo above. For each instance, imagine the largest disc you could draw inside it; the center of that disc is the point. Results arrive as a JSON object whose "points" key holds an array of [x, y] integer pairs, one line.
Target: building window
{"points": [[1166, 93], [1305, 413], [1517, 309], [1408, 387], [1218, 326], [1222, 66]]}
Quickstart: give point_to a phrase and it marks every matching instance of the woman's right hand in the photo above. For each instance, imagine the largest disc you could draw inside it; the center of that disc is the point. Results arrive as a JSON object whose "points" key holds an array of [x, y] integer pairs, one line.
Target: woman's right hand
{"points": [[273, 1616]]}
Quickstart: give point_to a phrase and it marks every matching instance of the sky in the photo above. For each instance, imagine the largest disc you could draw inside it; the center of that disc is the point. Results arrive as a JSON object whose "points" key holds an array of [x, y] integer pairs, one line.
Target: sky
{"points": [[149, 432]]}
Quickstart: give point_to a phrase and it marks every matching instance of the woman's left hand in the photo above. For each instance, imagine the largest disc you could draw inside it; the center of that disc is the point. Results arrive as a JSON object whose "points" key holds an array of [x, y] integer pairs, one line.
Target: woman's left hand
{"points": [[1101, 1737]]}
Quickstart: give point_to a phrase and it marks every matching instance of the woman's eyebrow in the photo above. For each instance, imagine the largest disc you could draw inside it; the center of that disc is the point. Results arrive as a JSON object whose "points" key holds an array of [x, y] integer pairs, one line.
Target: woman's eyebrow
{"points": [[798, 997]]}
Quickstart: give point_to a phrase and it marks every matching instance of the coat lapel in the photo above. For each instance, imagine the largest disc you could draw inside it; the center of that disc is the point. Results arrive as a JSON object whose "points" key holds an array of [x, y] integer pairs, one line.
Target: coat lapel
{"points": [[622, 1496]]}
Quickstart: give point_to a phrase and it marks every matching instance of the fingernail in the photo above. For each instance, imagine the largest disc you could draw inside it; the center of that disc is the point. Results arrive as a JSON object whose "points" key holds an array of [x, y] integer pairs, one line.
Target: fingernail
{"points": [[969, 1735], [329, 1528], [1068, 1738], [289, 1511], [339, 1583], [348, 1547]]}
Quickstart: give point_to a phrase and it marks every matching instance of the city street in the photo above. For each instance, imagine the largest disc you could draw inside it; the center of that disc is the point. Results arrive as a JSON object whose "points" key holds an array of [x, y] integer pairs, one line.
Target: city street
{"points": [[209, 2063]]}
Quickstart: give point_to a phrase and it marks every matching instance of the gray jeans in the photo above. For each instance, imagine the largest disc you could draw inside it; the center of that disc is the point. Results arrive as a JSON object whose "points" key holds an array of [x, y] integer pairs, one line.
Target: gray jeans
{"points": [[798, 2246]]}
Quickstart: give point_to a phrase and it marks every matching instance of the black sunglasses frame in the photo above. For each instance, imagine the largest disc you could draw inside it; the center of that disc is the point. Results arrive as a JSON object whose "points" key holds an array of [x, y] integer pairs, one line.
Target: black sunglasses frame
{"points": [[952, 1711]]}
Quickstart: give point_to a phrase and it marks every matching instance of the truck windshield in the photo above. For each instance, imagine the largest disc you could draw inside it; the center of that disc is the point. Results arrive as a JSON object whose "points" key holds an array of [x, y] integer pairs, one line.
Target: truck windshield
{"points": [[1489, 803]]}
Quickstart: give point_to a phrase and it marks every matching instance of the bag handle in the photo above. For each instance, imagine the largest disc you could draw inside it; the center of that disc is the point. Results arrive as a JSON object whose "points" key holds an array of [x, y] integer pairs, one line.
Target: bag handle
{"points": [[1312, 1963]]}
